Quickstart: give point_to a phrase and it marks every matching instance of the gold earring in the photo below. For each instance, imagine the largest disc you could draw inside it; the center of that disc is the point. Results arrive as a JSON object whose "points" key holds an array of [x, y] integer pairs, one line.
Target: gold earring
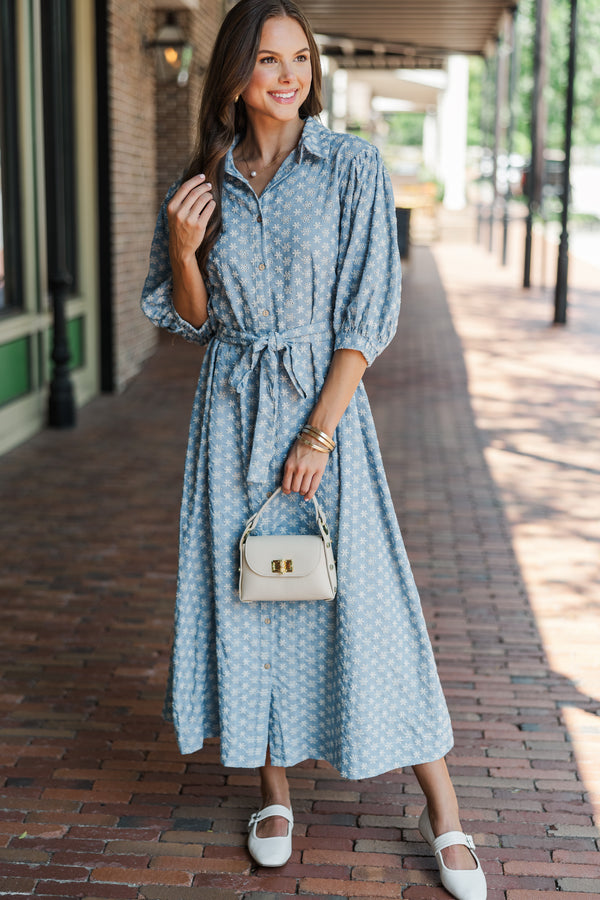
{"points": [[237, 97]]}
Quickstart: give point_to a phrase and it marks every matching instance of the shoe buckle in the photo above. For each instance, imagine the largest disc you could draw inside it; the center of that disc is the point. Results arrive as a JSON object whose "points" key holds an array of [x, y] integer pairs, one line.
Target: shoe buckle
{"points": [[254, 818], [470, 842]]}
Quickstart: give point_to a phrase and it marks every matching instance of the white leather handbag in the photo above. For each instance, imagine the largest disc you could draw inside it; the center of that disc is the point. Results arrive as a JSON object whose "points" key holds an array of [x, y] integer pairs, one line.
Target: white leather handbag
{"points": [[287, 566]]}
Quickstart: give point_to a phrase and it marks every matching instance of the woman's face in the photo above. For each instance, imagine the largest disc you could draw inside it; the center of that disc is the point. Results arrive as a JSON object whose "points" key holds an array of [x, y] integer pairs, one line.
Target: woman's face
{"points": [[282, 74]]}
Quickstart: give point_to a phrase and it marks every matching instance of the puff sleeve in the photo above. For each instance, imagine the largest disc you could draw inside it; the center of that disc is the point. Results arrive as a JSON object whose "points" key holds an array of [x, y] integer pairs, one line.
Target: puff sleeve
{"points": [[368, 269], [157, 294]]}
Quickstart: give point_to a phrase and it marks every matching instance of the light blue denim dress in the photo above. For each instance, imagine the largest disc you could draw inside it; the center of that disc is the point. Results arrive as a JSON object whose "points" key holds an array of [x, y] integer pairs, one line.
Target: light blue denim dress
{"points": [[308, 267]]}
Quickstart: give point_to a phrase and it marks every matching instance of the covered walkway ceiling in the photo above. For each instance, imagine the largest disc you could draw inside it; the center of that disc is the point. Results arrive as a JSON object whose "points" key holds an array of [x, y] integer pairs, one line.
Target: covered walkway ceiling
{"points": [[404, 33]]}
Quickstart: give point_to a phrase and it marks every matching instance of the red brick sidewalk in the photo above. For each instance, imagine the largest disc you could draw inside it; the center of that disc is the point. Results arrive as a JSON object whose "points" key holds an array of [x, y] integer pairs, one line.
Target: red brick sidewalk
{"points": [[96, 800]]}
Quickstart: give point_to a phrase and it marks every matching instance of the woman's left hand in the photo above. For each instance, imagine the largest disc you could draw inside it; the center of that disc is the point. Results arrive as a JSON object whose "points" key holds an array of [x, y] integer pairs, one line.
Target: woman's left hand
{"points": [[303, 470], [304, 466]]}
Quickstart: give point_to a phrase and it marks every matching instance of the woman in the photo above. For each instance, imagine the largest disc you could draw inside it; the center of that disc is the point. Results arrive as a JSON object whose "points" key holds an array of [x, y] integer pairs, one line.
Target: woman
{"points": [[278, 249]]}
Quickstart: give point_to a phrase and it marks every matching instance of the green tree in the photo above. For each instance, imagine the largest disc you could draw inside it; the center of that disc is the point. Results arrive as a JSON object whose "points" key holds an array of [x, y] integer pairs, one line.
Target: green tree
{"points": [[586, 125], [406, 128], [476, 85]]}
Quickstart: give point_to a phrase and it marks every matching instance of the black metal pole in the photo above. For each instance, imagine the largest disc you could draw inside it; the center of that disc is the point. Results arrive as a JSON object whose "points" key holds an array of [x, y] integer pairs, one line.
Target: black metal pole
{"points": [[61, 402], [537, 130], [560, 295], [512, 80]]}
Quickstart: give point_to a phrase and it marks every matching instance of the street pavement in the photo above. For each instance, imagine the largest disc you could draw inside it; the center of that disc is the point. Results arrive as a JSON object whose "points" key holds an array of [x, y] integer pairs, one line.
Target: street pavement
{"points": [[489, 427]]}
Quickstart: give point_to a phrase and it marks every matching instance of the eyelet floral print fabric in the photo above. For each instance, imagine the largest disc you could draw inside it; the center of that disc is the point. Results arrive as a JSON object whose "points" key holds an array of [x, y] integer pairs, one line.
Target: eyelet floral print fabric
{"points": [[308, 267]]}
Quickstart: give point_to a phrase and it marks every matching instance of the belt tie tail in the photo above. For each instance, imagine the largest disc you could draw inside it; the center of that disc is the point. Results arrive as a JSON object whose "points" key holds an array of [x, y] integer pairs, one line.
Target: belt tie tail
{"points": [[265, 352]]}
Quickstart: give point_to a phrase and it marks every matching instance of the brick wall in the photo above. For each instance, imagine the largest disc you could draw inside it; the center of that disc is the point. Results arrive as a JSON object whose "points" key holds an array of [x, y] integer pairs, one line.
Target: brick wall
{"points": [[177, 107], [152, 132], [132, 102]]}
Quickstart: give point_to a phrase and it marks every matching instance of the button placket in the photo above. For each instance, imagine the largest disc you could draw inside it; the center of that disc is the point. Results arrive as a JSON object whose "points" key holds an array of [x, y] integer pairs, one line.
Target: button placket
{"points": [[267, 637], [262, 268]]}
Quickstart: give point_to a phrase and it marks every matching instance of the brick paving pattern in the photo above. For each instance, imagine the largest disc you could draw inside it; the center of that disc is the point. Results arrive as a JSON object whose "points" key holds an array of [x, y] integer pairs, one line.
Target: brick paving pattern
{"points": [[96, 801]]}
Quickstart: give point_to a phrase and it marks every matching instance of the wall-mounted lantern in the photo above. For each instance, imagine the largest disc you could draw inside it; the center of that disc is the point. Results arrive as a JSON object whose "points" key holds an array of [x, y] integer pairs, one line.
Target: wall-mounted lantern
{"points": [[173, 53]]}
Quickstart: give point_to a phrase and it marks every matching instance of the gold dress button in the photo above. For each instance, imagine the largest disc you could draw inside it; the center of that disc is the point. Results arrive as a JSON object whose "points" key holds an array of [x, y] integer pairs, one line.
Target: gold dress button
{"points": [[265, 312], [262, 266], [267, 621], [267, 665]]}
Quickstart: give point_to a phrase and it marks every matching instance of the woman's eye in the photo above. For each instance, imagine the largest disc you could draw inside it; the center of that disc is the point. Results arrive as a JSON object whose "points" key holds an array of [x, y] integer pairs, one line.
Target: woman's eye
{"points": [[302, 57]]}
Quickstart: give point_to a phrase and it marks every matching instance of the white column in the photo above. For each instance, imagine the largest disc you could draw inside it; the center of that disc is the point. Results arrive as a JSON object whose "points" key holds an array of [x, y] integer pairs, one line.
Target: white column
{"points": [[359, 96], [430, 142], [340, 99], [453, 132]]}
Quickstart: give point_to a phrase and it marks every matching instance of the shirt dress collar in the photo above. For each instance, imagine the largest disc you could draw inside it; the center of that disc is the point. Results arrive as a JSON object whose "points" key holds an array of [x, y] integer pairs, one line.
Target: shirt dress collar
{"points": [[315, 139]]}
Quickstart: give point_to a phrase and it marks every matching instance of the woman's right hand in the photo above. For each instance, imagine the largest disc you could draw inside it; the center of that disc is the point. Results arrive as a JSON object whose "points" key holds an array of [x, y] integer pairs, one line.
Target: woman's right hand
{"points": [[188, 213]]}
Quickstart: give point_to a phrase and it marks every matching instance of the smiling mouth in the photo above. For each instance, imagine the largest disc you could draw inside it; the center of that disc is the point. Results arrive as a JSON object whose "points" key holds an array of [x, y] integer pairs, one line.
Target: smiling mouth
{"points": [[283, 96]]}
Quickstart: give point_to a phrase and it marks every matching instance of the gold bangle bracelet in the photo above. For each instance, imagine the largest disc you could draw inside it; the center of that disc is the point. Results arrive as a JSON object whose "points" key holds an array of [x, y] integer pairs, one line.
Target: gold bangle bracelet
{"points": [[317, 433], [318, 436], [310, 444], [321, 443]]}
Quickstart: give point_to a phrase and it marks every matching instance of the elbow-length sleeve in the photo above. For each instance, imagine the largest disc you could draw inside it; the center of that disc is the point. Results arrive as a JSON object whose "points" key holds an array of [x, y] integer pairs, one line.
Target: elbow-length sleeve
{"points": [[157, 294], [368, 274]]}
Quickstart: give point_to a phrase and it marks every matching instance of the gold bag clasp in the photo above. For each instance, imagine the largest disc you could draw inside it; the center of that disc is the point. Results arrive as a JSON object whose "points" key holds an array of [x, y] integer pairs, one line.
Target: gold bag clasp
{"points": [[281, 566]]}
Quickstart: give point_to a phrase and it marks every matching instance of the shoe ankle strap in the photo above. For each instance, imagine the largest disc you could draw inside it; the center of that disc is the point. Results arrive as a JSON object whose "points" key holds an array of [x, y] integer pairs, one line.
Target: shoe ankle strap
{"points": [[276, 809], [450, 838]]}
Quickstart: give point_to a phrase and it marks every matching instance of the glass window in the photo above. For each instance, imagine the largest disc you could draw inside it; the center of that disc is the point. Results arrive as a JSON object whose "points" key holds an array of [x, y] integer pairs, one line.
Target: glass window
{"points": [[10, 221]]}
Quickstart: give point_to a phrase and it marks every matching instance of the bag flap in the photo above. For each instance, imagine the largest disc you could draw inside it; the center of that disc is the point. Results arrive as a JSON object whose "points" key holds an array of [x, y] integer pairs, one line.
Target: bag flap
{"points": [[304, 550]]}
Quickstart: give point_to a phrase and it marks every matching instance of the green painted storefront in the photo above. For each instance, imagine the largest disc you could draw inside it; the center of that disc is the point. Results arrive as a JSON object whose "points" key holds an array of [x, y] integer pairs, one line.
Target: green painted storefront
{"points": [[29, 51]]}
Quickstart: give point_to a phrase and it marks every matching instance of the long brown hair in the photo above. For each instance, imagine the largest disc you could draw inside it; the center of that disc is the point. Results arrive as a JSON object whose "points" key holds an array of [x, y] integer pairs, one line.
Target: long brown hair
{"points": [[229, 72]]}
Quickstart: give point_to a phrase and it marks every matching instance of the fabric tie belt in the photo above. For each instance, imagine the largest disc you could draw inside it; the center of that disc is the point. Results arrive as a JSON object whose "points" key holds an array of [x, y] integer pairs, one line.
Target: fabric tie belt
{"points": [[263, 351]]}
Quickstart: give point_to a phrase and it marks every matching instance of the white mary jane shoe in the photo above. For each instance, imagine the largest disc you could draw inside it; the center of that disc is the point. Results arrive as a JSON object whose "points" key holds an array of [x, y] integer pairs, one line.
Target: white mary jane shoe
{"points": [[270, 851], [464, 884]]}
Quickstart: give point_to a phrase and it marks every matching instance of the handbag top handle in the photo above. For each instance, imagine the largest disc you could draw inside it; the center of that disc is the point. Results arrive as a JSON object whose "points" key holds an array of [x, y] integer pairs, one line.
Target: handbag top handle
{"points": [[319, 514]]}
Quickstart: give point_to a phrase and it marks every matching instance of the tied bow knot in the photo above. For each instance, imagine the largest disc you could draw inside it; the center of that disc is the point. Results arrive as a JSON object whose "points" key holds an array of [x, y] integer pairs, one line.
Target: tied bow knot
{"points": [[276, 341], [267, 353]]}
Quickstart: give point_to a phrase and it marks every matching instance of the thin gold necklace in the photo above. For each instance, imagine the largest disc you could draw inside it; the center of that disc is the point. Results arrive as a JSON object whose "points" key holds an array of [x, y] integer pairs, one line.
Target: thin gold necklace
{"points": [[252, 173]]}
